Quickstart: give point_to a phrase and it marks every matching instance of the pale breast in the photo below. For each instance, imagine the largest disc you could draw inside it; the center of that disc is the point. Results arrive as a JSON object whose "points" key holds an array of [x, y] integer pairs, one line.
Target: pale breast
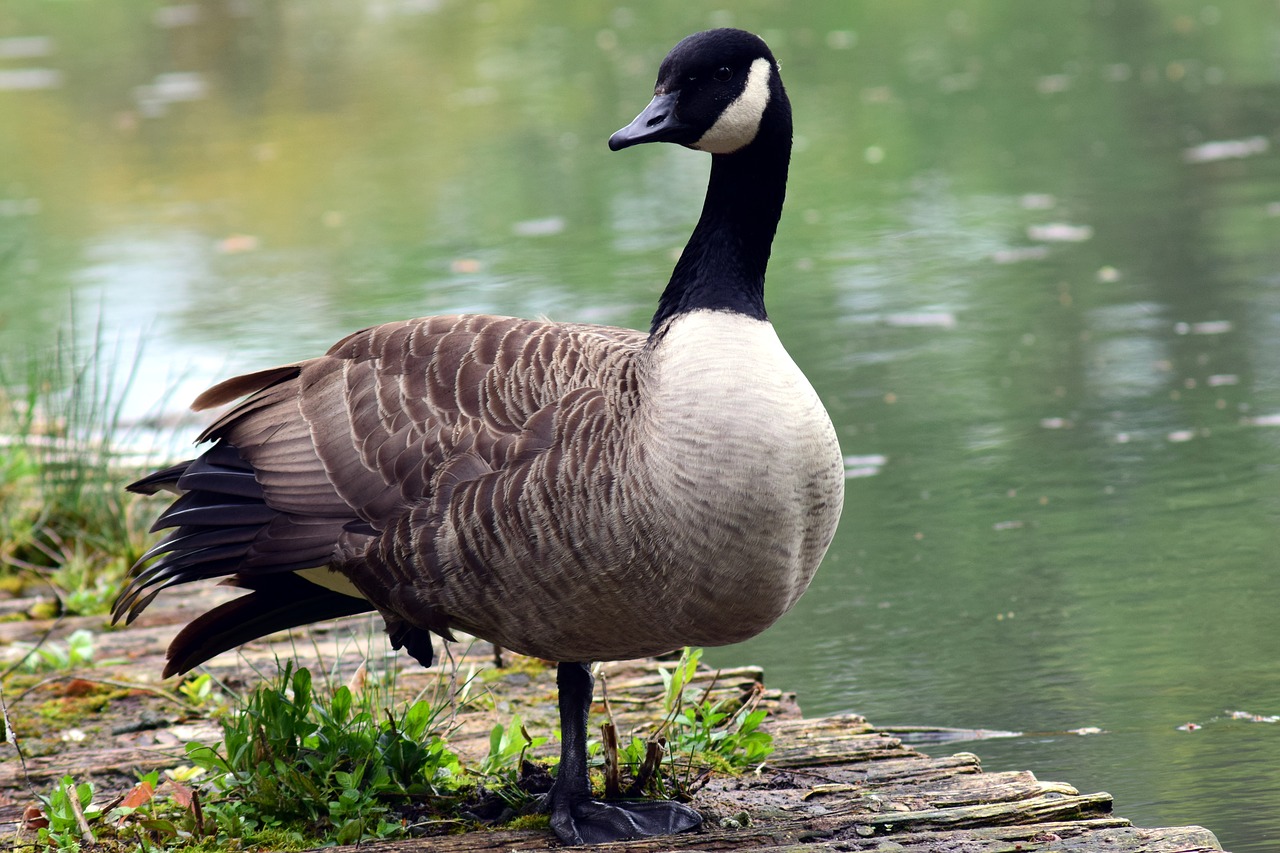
{"points": [[744, 458]]}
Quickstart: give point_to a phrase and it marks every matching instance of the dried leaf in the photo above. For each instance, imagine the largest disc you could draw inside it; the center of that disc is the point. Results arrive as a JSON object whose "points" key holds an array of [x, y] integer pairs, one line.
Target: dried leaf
{"points": [[139, 796], [33, 818], [179, 793]]}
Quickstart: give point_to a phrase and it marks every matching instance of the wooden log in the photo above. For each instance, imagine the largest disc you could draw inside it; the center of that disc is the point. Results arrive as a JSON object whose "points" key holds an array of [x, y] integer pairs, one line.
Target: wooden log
{"points": [[1090, 836], [832, 784], [44, 769]]}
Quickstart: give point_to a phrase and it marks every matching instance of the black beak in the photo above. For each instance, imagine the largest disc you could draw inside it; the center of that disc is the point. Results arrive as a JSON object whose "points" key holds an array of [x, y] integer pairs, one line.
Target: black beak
{"points": [[656, 123]]}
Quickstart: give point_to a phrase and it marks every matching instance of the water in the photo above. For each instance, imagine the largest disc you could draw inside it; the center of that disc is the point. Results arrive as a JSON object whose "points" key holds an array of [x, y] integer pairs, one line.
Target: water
{"points": [[1029, 260]]}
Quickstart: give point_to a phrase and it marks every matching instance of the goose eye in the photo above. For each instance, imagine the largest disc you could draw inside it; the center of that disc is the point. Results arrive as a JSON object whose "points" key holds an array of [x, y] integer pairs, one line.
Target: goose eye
{"points": [[723, 74]]}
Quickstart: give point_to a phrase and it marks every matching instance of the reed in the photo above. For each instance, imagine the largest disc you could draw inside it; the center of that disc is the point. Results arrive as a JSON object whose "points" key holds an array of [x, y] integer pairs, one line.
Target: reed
{"points": [[66, 452]]}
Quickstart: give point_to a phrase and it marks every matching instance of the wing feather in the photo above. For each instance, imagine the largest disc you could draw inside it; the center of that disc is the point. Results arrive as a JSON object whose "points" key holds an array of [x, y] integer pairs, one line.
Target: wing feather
{"points": [[365, 450]]}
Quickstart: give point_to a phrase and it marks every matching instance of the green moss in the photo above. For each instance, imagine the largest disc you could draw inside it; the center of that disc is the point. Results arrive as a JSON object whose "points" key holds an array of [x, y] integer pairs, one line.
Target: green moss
{"points": [[518, 664], [43, 610], [68, 710], [13, 585], [530, 821]]}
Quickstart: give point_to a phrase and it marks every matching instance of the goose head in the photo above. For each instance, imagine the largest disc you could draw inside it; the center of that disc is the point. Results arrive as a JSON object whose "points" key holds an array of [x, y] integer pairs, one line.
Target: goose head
{"points": [[716, 90], [719, 91]]}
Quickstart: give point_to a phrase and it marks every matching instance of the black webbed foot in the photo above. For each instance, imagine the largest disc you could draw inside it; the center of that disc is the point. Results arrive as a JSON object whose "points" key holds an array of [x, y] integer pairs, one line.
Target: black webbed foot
{"points": [[596, 822], [575, 817]]}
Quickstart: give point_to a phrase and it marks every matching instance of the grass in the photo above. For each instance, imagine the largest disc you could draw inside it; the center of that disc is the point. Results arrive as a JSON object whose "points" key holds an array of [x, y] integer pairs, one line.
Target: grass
{"points": [[322, 764], [694, 738], [299, 764], [65, 521], [306, 762]]}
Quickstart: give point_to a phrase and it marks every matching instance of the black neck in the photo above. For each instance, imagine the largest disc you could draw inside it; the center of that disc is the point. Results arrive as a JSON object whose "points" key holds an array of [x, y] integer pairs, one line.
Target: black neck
{"points": [[722, 267]]}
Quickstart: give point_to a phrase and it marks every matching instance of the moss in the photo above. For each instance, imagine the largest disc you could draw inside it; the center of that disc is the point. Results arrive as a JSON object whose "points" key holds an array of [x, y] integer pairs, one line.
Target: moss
{"points": [[530, 821], [44, 610], [283, 840], [79, 699], [12, 585], [518, 665]]}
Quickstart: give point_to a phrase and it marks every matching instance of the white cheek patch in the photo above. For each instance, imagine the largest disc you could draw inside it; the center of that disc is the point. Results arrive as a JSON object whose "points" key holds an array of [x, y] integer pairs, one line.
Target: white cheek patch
{"points": [[740, 121]]}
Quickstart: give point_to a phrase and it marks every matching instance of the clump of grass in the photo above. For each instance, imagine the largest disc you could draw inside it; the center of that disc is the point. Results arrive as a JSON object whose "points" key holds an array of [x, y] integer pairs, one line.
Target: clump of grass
{"points": [[68, 808], [694, 738], [76, 652], [327, 765], [725, 733], [202, 693], [303, 764], [504, 772], [65, 519], [156, 814], [300, 764]]}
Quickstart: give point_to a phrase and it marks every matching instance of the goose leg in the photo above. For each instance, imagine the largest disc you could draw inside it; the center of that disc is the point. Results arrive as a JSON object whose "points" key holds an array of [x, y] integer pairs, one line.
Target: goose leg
{"points": [[575, 817]]}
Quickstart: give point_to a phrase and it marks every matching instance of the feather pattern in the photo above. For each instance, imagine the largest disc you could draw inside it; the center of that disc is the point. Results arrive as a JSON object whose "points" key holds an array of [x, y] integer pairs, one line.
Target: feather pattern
{"points": [[494, 460]]}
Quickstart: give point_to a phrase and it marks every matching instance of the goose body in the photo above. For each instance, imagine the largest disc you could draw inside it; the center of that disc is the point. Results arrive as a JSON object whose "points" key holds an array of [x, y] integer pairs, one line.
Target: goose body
{"points": [[570, 491]]}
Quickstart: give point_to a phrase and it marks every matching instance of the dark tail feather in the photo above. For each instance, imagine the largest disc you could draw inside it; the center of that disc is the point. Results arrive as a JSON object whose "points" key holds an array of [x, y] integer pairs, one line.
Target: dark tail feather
{"points": [[164, 480], [144, 585], [204, 508], [222, 526], [277, 602], [221, 470], [195, 538], [230, 475]]}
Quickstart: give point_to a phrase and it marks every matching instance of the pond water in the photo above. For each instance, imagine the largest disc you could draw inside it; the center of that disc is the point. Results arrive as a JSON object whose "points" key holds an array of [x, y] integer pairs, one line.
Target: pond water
{"points": [[1031, 261]]}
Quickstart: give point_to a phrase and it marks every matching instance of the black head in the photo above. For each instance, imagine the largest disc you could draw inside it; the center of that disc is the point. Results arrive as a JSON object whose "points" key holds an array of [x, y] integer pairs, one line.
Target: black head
{"points": [[715, 91]]}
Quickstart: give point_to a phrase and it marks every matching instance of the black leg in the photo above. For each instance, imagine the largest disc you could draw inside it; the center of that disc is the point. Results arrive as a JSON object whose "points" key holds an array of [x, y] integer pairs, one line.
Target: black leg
{"points": [[575, 817]]}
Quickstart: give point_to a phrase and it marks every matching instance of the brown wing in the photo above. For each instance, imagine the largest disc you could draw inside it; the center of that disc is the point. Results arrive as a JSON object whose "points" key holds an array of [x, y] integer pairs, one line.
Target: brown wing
{"points": [[325, 454], [363, 431]]}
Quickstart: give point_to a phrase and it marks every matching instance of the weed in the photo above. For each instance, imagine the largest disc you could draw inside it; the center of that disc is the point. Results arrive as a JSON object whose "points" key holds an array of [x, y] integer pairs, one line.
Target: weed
{"points": [[67, 812], [302, 764], [138, 820], [726, 733], [201, 693], [502, 770], [292, 760], [507, 748], [76, 652], [696, 736]]}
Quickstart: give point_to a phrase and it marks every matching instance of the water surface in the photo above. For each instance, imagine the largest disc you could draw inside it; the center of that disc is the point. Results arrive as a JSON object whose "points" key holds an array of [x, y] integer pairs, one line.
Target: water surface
{"points": [[1031, 260]]}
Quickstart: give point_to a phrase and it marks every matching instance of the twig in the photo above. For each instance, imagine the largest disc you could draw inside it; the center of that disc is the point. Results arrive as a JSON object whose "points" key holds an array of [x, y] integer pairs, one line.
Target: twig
{"points": [[653, 751], [604, 694], [612, 773], [198, 812], [753, 701], [11, 735], [86, 834]]}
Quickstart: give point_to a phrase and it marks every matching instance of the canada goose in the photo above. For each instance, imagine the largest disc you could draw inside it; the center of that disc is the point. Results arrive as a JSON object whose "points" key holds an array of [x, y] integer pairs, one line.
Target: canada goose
{"points": [[569, 491]]}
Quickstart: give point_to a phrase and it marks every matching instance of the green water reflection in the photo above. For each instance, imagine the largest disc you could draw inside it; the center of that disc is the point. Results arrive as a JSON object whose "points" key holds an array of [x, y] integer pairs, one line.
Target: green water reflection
{"points": [[1031, 259]]}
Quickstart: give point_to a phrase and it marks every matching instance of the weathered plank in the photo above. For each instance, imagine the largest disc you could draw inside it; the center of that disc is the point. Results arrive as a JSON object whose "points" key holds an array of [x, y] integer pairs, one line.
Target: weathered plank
{"points": [[835, 783]]}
